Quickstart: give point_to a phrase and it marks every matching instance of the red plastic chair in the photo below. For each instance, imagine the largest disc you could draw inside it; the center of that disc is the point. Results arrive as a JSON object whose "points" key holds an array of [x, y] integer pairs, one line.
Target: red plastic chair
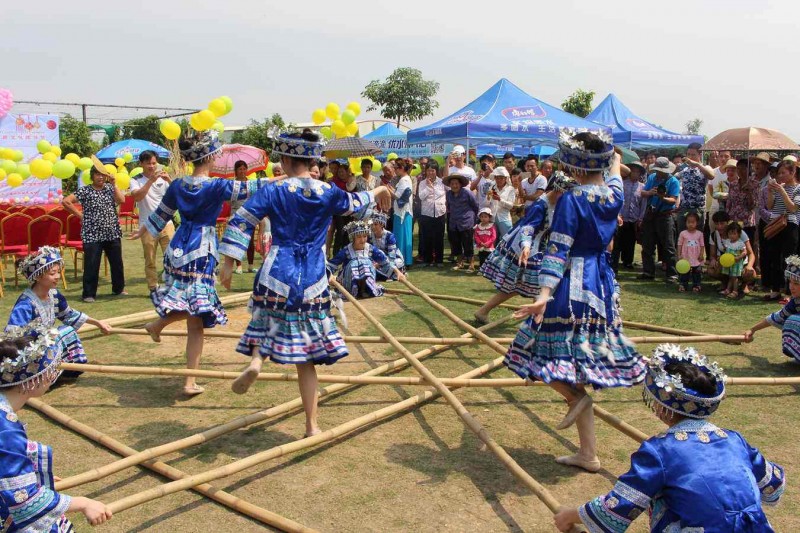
{"points": [[15, 208], [34, 211], [126, 213], [61, 214], [13, 241], [74, 242], [223, 217], [43, 231]]}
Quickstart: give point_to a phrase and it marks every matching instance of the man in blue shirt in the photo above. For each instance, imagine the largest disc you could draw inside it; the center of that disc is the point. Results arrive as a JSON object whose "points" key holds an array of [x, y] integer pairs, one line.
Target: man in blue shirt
{"points": [[661, 192]]}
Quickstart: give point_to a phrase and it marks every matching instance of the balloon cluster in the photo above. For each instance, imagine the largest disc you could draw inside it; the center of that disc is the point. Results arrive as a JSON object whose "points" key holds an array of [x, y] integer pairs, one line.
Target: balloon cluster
{"points": [[206, 119], [343, 123], [6, 102], [14, 171]]}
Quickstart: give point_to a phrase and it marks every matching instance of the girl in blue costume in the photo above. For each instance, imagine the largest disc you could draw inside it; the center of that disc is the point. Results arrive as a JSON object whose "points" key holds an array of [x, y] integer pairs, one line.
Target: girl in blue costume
{"points": [[360, 263], [188, 292], [788, 318], [291, 322], [29, 359], [694, 477], [511, 266], [42, 301], [573, 334], [385, 241]]}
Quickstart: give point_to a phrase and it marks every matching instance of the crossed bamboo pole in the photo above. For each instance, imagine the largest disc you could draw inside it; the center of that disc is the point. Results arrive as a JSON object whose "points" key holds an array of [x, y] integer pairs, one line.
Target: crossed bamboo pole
{"points": [[538, 489], [601, 413], [207, 490], [244, 421], [452, 341]]}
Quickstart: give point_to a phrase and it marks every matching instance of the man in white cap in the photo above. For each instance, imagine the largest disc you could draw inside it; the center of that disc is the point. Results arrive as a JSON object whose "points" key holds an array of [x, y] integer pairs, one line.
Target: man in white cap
{"points": [[456, 163]]}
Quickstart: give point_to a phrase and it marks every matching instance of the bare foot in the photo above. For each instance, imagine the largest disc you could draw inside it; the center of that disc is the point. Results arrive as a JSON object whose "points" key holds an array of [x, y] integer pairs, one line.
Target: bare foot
{"points": [[590, 465], [245, 380], [150, 328], [193, 390], [311, 433], [481, 319], [575, 409]]}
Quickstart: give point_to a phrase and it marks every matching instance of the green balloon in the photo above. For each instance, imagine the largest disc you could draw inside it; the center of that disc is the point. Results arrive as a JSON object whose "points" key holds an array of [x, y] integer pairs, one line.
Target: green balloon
{"points": [[9, 166], [24, 170], [18, 155], [84, 163], [62, 169]]}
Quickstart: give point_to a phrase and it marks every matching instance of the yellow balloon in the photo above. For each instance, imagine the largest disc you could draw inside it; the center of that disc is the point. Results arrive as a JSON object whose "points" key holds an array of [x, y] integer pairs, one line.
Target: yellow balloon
{"points": [[110, 169], [119, 162], [391, 157], [352, 128], [727, 260], [332, 111], [41, 168], [128, 157], [56, 150], [123, 181], [194, 122], [355, 107], [683, 266], [218, 107], [228, 103], [2, 174], [6, 153], [17, 155], [72, 158], [14, 180], [318, 116], [376, 165], [269, 172], [205, 119], [50, 156], [339, 128], [170, 129]]}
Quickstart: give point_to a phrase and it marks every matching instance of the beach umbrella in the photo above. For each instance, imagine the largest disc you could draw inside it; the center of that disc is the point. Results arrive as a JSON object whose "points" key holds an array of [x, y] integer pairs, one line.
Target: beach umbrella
{"points": [[256, 160], [750, 139], [350, 147], [130, 146]]}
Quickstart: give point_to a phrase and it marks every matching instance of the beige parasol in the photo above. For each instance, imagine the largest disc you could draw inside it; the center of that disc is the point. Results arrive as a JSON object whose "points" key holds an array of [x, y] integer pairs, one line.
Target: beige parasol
{"points": [[750, 139]]}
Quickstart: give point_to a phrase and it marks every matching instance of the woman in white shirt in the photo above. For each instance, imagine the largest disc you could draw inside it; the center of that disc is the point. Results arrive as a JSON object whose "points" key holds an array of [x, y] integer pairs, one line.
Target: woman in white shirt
{"points": [[432, 216], [503, 197]]}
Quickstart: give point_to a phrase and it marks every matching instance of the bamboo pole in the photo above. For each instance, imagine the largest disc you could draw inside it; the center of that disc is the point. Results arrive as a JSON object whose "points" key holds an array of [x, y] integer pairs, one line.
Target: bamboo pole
{"points": [[628, 324], [242, 421], [456, 341], [209, 491], [482, 336], [476, 427], [278, 451], [763, 381], [142, 316], [323, 378]]}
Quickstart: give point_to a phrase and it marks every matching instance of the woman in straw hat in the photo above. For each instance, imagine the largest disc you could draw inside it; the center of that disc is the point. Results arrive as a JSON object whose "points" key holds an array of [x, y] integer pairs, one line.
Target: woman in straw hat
{"points": [[291, 322], [188, 291], [29, 359], [573, 335]]}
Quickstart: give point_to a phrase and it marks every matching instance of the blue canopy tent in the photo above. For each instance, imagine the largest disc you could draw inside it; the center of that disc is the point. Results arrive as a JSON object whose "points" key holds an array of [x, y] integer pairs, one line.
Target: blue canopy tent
{"points": [[131, 146], [634, 132], [504, 114], [389, 138], [498, 150]]}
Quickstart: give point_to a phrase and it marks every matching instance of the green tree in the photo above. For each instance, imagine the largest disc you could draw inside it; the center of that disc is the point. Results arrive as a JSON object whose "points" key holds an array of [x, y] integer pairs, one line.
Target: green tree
{"points": [[145, 128], [75, 136], [693, 126], [259, 134], [404, 95], [579, 103]]}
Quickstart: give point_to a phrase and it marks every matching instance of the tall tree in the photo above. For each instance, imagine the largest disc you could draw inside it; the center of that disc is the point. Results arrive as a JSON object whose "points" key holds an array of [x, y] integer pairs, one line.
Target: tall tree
{"points": [[76, 137], [404, 95], [579, 103], [145, 128], [260, 134], [693, 126]]}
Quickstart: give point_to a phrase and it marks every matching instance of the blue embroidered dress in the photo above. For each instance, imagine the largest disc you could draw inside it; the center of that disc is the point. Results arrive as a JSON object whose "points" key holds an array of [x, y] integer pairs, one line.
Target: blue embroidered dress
{"points": [[502, 266], [191, 257], [28, 502], [693, 478], [387, 243], [788, 320], [580, 338], [290, 307], [29, 307], [360, 267]]}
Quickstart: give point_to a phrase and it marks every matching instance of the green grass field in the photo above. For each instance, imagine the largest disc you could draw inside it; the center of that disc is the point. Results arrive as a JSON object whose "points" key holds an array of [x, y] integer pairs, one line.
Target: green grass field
{"points": [[419, 471]]}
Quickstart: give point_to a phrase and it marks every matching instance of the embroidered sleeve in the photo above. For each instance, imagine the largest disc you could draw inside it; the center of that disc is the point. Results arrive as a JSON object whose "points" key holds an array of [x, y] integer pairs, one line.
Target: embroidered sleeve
{"points": [[165, 210], [778, 318], [237, 191], [614, 512], [562, 236], [30, 504], [532, 224], [391, 246], [335, 263], [351, 203], [22, 313], [381, 262], [405, 197], [240, 228], [68, 315], [770, 477]]}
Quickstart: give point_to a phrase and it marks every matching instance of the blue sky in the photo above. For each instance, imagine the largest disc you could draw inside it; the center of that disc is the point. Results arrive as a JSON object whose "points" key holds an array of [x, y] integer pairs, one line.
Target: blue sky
{"points": [[728, 63]]}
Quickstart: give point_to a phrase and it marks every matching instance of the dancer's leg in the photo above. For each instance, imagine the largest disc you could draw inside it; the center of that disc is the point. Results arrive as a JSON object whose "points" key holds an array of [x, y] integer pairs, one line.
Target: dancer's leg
{"points": [[154, 328], [482, 314], [577, 399], [246, 379], [194, 349], [307, 374], [586, 457]]}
